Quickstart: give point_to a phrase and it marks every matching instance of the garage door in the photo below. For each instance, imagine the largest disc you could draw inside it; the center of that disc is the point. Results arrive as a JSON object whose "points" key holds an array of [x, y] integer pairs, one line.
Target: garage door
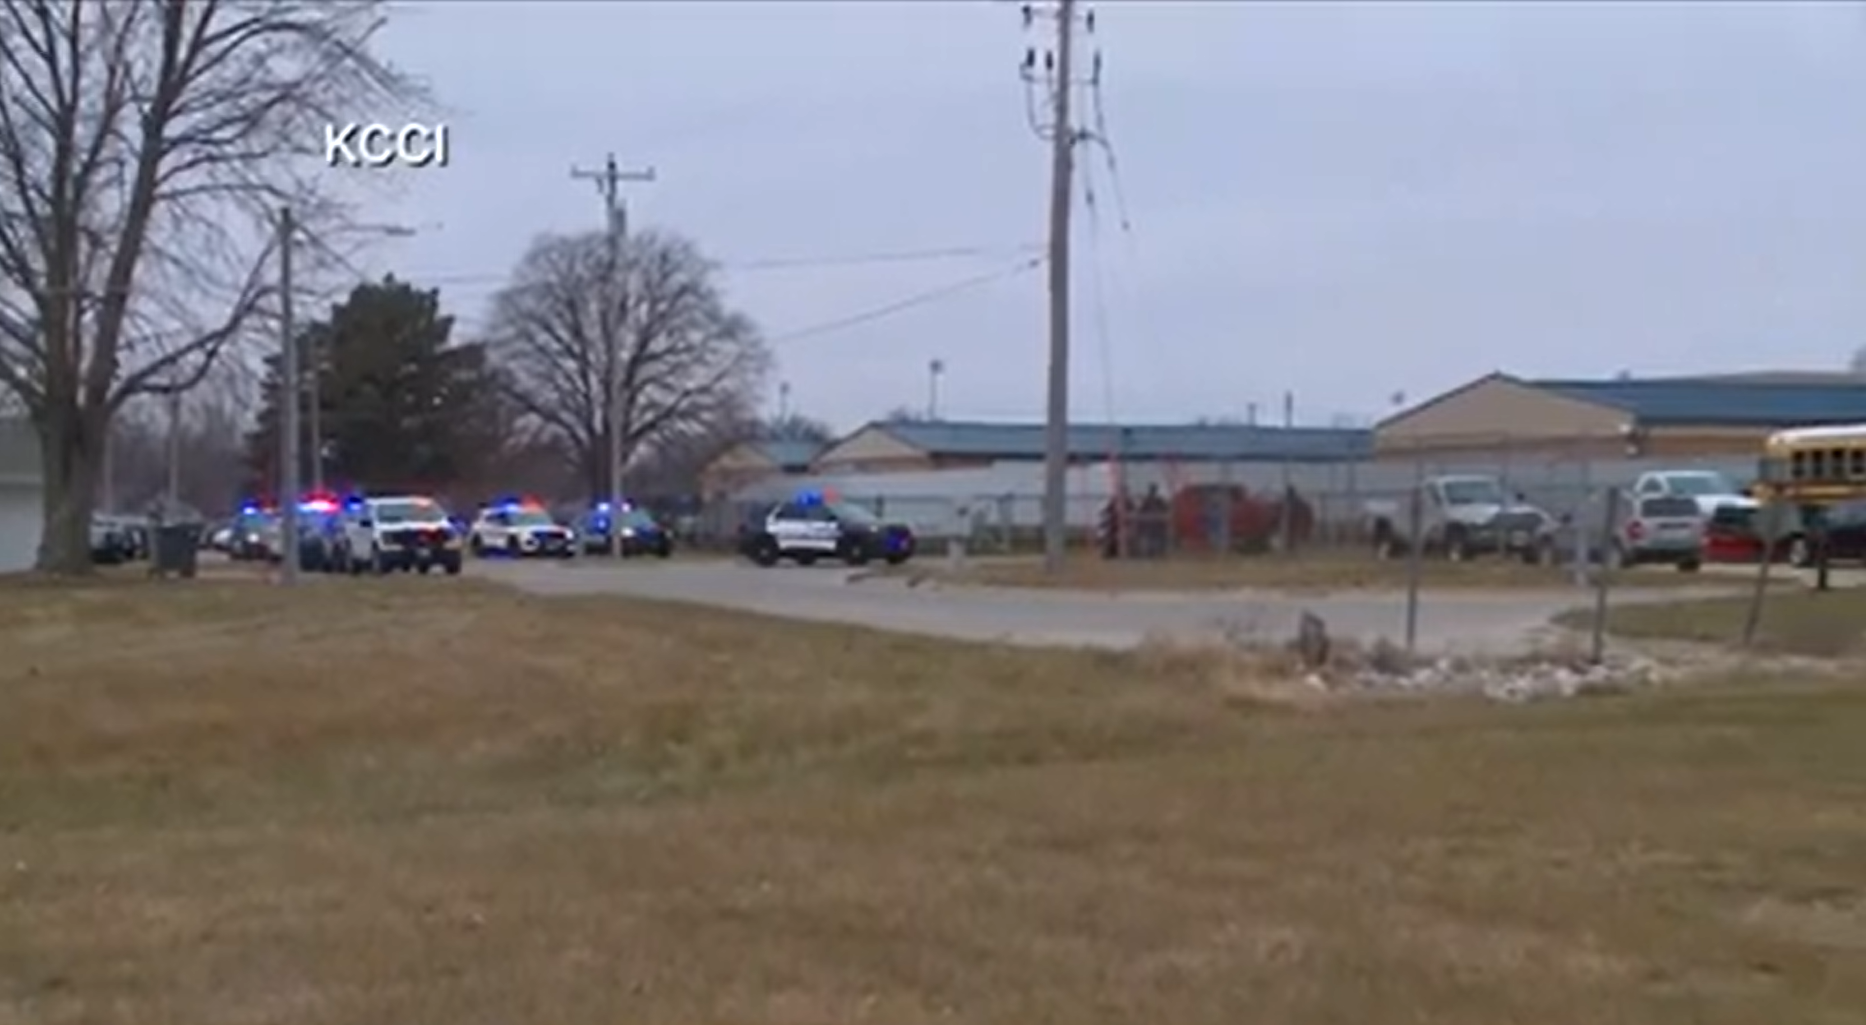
{"points": [[19, 527]]}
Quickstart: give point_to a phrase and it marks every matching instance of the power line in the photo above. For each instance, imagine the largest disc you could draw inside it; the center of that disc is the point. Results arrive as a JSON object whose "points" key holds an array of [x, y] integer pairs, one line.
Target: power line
{"points": [[869, 259], [918, 299], [780, 263], [1098, 282]]}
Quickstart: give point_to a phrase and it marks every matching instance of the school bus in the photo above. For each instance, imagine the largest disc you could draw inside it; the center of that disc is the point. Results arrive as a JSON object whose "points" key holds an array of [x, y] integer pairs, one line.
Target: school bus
{"points": [[1814, 466]]}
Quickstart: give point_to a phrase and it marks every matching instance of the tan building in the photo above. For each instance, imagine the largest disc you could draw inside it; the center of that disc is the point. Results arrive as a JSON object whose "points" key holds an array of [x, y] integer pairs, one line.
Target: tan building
{"points": [[1627, 418], [751, 462]]}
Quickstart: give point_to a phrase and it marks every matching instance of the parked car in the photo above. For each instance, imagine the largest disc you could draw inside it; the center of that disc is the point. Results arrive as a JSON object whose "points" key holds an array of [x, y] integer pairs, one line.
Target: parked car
{"points": [[110, 544], [811, 527], [637, 529], [1734, 534], [1709, 490], [1845, 529], [252, 534], [1662, 530]]}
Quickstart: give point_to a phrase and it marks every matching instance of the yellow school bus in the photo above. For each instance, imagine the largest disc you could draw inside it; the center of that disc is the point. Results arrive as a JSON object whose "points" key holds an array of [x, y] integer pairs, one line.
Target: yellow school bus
{"points": [[1814, 465]]}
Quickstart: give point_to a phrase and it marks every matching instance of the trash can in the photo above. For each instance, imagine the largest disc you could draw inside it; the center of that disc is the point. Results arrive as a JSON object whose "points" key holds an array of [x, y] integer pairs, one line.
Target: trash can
{"points": [[177, 548]]}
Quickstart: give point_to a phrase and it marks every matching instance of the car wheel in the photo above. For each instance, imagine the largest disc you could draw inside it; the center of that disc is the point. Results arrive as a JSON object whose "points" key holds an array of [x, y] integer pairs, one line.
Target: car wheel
{"points": [[378, 562], [1457, 549], [897, 558], [511, 548], [1690, 566], [806, 558], [451, 567], [477, 546], [765, 552], [1385, 547]]}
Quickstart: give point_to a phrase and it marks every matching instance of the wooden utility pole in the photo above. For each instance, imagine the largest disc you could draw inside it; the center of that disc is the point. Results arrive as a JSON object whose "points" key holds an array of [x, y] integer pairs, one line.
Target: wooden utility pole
{"points": [[1055, 70], [609, 185], [291, 397]]}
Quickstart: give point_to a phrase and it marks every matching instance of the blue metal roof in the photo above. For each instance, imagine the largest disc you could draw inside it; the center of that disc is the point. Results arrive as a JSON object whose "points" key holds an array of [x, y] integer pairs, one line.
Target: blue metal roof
{"points": [[1138, 442], [789, 455], [1721, 403]]}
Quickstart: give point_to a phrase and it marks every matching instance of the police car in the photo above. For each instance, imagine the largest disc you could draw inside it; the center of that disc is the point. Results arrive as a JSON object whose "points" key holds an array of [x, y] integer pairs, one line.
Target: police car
{"points": [[400, 533], [523, 529], [812, 526], [637, 529]]}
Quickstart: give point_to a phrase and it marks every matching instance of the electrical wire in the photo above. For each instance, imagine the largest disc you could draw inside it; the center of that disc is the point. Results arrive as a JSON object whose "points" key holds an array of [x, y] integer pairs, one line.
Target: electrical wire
{"points": [[1099, 295], [914, 301], [779, 263]]}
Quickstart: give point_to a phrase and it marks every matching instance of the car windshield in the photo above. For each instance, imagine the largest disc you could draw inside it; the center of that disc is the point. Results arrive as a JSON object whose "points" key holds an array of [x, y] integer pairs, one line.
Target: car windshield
{"points": [[853, 514], [1668, 507], [531, 518], [1473, 491], [408, 510], [1692, 485], [637, 519]]}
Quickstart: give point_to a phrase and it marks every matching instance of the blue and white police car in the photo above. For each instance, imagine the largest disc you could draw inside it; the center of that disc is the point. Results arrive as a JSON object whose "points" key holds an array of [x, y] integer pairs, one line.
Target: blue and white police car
{"points": [[814, 525]]}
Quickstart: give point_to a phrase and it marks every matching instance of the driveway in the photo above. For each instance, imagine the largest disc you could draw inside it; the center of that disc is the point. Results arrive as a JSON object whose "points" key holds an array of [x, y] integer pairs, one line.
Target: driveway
{"points": [[1459, 621]]}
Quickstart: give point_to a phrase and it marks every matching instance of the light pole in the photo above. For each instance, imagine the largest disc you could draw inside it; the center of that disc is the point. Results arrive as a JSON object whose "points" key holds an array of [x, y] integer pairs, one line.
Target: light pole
{"points": [[935, 369], [314, 356]]}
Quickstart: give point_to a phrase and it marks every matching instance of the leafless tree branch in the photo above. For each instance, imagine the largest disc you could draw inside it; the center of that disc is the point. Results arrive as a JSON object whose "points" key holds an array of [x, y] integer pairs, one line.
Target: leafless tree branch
{"points": [[145, 148], [655, 322]]}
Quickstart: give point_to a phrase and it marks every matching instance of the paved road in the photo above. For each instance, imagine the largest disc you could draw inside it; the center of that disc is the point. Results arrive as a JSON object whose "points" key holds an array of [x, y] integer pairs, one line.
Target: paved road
{"points": [[1468, 621]]}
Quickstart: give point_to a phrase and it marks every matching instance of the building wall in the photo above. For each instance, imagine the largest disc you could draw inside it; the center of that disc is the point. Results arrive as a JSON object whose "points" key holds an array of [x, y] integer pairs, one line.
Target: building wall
{"points": [[1686, 442], [20, 519], [19, 452]]}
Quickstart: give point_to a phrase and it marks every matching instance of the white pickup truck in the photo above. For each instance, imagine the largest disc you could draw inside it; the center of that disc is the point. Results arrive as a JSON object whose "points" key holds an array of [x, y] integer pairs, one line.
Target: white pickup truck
{"points": [[1710, 489], [1458, 516]]}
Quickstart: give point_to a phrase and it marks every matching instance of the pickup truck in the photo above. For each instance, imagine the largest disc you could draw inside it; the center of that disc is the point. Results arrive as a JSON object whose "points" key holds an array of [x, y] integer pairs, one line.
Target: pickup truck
{"points": [[1459, 516], [1710, 489]]}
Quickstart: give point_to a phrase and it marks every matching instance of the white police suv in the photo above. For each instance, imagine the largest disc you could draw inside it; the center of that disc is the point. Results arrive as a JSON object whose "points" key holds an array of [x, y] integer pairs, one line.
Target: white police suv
{"points": [[521, 529], [401, 533]]}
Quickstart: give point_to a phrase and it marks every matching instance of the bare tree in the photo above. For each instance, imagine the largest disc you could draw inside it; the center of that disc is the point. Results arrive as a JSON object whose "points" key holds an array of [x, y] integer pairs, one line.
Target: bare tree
{"points": [[654, 322], [145, 146]]}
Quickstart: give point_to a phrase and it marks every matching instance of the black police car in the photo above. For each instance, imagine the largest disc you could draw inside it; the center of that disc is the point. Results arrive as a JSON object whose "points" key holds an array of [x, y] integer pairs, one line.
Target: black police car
{"points": [[639, 532], [810, 527]]}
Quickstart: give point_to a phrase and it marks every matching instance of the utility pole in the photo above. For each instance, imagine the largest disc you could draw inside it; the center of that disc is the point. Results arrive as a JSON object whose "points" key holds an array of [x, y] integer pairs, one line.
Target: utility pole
{"points": [[609, 185], [783, 402], [935, 369], [1055, 70], [313, 355], [290, 395]]}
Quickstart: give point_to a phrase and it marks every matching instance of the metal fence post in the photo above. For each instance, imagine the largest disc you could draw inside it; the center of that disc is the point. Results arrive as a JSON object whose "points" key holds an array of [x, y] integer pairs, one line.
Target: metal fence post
{"points": [[1579, 529], [1415, 540], [1752, 620], [1598, 648]]}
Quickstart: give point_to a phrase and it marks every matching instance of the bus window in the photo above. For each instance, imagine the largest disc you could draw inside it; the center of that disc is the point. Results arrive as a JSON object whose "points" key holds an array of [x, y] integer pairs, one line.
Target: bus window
{"points": [[1798, 466]]}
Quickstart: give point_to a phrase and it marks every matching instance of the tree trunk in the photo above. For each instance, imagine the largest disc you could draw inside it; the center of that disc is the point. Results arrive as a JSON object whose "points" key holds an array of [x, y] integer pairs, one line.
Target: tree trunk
{"points": [[68, 447]]}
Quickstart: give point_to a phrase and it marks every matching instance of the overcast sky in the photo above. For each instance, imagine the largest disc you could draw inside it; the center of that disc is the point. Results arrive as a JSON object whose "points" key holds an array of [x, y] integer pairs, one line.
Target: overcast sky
{"points": [[1346, 201]]}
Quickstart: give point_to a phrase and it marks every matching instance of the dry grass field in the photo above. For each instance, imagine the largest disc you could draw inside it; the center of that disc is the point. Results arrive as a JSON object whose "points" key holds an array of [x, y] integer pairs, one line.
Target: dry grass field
{"points": [[1328, 570], [1820, 624], [427, 802]]}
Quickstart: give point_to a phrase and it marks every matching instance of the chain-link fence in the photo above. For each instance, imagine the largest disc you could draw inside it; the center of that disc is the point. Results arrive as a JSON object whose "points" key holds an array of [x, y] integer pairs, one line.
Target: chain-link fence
{"points": [[1208, 507]]}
